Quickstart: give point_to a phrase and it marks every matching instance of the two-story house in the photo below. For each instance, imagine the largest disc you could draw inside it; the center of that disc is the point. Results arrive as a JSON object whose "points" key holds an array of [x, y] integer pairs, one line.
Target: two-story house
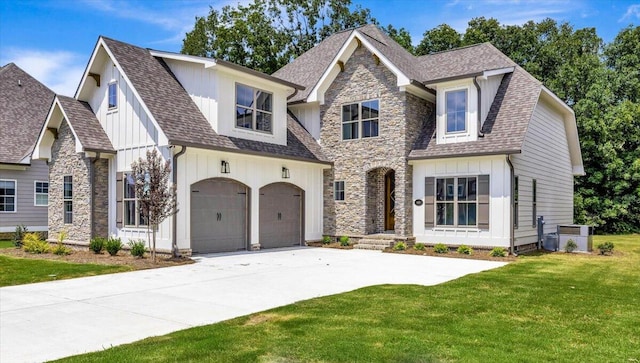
{"points": [[355, 137]]}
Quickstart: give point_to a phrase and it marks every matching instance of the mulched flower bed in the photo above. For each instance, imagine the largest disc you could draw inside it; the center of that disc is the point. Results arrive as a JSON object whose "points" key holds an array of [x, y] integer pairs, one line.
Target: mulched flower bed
{"points": [[330, 245], [475, 255], [122, 258]]}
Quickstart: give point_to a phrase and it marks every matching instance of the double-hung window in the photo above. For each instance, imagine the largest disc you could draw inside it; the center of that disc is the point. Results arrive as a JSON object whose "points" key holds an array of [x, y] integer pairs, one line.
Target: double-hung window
{"points": [[113, 95], [456, 110], [41, 193], [133, 216], [254, 109], [516, 202], [338, 190], [7, 195], [456, 201], [67, 198], [360, 120]]}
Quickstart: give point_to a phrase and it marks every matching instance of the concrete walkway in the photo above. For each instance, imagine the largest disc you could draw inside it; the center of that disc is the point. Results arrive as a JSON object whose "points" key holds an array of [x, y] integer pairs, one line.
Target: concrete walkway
{"points": [[56, 319]]}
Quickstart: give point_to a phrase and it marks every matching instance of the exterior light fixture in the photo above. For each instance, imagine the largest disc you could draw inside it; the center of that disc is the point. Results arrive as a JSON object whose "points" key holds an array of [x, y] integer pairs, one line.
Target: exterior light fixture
{"points": [[224, 167], [285, 173]]}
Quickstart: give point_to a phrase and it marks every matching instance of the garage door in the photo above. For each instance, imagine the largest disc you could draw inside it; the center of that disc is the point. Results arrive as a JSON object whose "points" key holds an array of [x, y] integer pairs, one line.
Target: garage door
{"points": [[218, 216], [280, 215]]}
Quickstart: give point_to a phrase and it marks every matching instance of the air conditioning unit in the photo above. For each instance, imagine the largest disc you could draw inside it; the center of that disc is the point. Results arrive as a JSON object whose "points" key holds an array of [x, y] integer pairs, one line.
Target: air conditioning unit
{"points": [[580, 234]]}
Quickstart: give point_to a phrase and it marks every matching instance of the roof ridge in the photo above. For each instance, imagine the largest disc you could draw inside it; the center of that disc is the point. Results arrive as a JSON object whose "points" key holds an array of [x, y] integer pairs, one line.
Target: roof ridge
{"points": [[458, 48]]}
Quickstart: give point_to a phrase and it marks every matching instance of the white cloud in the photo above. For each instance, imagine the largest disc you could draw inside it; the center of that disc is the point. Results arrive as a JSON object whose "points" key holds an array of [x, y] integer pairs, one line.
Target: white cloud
{"points": [[633, 11], [59, 70]]}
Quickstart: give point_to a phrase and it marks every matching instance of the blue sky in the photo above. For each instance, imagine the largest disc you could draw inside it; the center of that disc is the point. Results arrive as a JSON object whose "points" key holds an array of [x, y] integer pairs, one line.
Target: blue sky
{"points": [[53, 40]]}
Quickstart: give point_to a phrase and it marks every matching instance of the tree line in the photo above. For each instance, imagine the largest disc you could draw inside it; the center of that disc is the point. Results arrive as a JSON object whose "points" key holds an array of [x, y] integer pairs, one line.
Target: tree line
{"points": [[600, 81]]}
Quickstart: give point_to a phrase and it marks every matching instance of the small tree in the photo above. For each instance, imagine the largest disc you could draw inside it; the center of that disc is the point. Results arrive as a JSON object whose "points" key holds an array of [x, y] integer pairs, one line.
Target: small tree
{"points": [[155, 193]]}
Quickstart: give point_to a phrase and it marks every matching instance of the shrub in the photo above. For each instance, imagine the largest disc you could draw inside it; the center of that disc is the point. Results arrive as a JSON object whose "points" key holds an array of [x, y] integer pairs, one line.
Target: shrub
{"points": [[400, 246], [498, 252], [33, 244], [440, 248], [97, 244], [137, 248], [419, 246], [465, 250], [606, 248], [326, 240], [570, 246], [113, 245], [344, 240], [18, 235], [61, 249]]}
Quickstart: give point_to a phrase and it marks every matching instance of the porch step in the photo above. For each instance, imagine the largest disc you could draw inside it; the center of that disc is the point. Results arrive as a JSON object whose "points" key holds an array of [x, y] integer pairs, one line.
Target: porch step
{"points": [[374, 243]]}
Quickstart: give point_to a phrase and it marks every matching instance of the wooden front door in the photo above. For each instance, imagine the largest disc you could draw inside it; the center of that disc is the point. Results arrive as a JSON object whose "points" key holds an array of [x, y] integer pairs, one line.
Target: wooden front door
{"points": [[389, 200]]}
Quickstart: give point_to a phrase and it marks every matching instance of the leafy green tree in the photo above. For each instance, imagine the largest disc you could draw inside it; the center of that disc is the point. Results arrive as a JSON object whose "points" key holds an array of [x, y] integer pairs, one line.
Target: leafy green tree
{"points": [[443, 37], [623, 57], [401, 36]]}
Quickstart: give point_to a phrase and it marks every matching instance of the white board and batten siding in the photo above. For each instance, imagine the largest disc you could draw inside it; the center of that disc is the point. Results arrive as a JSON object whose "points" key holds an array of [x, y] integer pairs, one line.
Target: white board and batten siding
{"points": [[489, 89], [309, 116], [32, 216], [255, 172], [499, 186], [545, 157]]}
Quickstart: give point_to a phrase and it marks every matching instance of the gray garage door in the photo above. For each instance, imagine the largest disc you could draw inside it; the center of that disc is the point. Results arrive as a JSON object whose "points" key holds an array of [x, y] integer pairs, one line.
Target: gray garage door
{"points": [[218, 216], [280, 215]]}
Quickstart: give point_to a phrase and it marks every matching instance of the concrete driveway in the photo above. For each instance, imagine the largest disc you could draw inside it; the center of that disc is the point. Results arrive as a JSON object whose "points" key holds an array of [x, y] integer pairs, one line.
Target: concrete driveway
{"points": [[51, 320]]}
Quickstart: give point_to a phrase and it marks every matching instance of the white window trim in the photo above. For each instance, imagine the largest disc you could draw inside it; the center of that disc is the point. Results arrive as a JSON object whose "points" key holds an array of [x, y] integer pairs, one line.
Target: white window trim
{"points": [[35, 193], [254, 109], [114, 108], [455, 203], [15, 197], [360, 120], [136, 209], [466, 111]]}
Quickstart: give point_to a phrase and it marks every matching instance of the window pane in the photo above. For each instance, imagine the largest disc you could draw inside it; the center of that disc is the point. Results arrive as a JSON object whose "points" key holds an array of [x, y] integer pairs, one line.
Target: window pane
{"points": [[350, 131], [113, 95], [369, 128], [462, 189], [7, 187], [244, 95], [244, 118], [350, 112], [129, 186], [449, 221], [456, 110], [68, 212], [472, 189], [440, 189], [370, 109], [142, 220], [68, 187], [42, 199], [450, 189], [264, 101], [462, 214], [440, 214], [471, 214], [130, 213], [263, 121]]}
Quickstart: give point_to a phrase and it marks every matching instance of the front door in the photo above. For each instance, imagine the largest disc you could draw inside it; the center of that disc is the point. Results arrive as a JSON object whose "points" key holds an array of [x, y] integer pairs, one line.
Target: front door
{"points": [[389, 200]]}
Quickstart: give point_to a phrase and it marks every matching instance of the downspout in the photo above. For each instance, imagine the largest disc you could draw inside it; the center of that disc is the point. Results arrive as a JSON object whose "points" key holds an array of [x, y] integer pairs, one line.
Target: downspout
{"points": [[512, 242], [295, 92], [93, 192], [174, 230], [475, 82]]}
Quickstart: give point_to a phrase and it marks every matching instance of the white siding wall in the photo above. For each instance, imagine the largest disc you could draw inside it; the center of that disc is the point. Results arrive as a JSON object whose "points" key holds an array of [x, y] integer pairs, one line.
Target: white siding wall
{"points": [[545, 157], [27, 213], [499, 184], [489, 88], [309, 115], [255, 172]]}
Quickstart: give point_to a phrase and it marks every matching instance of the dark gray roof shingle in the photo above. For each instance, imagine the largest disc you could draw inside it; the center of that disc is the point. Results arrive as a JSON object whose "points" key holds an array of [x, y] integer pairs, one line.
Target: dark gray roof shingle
{"points": [[181, 120], [23, 109], [504, 128], [85, 125]]}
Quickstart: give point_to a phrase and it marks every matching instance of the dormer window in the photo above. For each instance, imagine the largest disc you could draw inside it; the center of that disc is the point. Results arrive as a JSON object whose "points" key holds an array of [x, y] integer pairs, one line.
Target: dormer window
{"points": [[254, 109], [456, 111], [113, 95], [360, 120]]}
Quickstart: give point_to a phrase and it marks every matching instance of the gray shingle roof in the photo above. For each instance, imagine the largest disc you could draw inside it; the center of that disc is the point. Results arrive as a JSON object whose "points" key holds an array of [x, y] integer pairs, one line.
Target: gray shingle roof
{"points": [[85, 125], [23, 110], [181, 120], [504, 128]]}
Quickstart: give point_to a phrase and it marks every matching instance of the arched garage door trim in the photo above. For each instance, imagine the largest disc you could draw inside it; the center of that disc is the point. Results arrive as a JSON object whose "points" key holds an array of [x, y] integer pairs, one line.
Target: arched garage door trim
{"points": [[281, 219], [220, 215]]}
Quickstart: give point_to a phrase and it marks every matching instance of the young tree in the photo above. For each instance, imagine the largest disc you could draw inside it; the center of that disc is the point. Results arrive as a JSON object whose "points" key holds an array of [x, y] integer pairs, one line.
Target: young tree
{"points": [[155, 193]]}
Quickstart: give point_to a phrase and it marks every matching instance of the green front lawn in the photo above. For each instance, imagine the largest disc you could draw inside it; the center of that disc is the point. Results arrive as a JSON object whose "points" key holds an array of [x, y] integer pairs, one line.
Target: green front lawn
{"points": [[6, 244], [549, 307], [18, 271]]}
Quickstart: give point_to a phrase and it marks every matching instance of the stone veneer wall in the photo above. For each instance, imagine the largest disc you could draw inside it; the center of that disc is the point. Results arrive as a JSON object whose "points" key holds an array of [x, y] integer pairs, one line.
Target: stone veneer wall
{"points": [[101, 198], [65, 161], [402, 116]]}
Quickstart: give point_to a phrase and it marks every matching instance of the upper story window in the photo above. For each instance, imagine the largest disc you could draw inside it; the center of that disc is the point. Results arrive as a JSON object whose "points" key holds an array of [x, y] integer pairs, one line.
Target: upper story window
{"points": [[41, 193], [7, 195], [254, 109], [360, 120], [456, 110], [113, 95]]}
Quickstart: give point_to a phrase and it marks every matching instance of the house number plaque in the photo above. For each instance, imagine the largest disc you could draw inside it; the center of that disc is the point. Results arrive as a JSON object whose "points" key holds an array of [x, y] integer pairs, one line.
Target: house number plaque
{"points": [[418, 202]]}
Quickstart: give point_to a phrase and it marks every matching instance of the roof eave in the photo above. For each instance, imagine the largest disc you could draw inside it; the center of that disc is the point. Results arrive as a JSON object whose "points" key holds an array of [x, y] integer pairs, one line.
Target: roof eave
{"points": [[459, 155]]}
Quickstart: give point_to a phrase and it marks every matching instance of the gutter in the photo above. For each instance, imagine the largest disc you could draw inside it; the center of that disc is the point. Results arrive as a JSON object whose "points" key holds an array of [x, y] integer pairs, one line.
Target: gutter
{"points": [[174, 231], [475, 82], [512, 242]]}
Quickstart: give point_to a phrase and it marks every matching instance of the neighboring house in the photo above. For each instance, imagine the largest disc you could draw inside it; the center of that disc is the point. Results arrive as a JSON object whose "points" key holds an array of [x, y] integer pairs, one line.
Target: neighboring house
{"points": [[355, 137], [24, 183]]}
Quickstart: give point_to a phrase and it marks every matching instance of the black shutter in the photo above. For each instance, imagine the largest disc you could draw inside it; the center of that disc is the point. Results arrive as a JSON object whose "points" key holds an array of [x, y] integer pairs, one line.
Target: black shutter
{"points": [[429, 210], [483, 202], [119, 194]]}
